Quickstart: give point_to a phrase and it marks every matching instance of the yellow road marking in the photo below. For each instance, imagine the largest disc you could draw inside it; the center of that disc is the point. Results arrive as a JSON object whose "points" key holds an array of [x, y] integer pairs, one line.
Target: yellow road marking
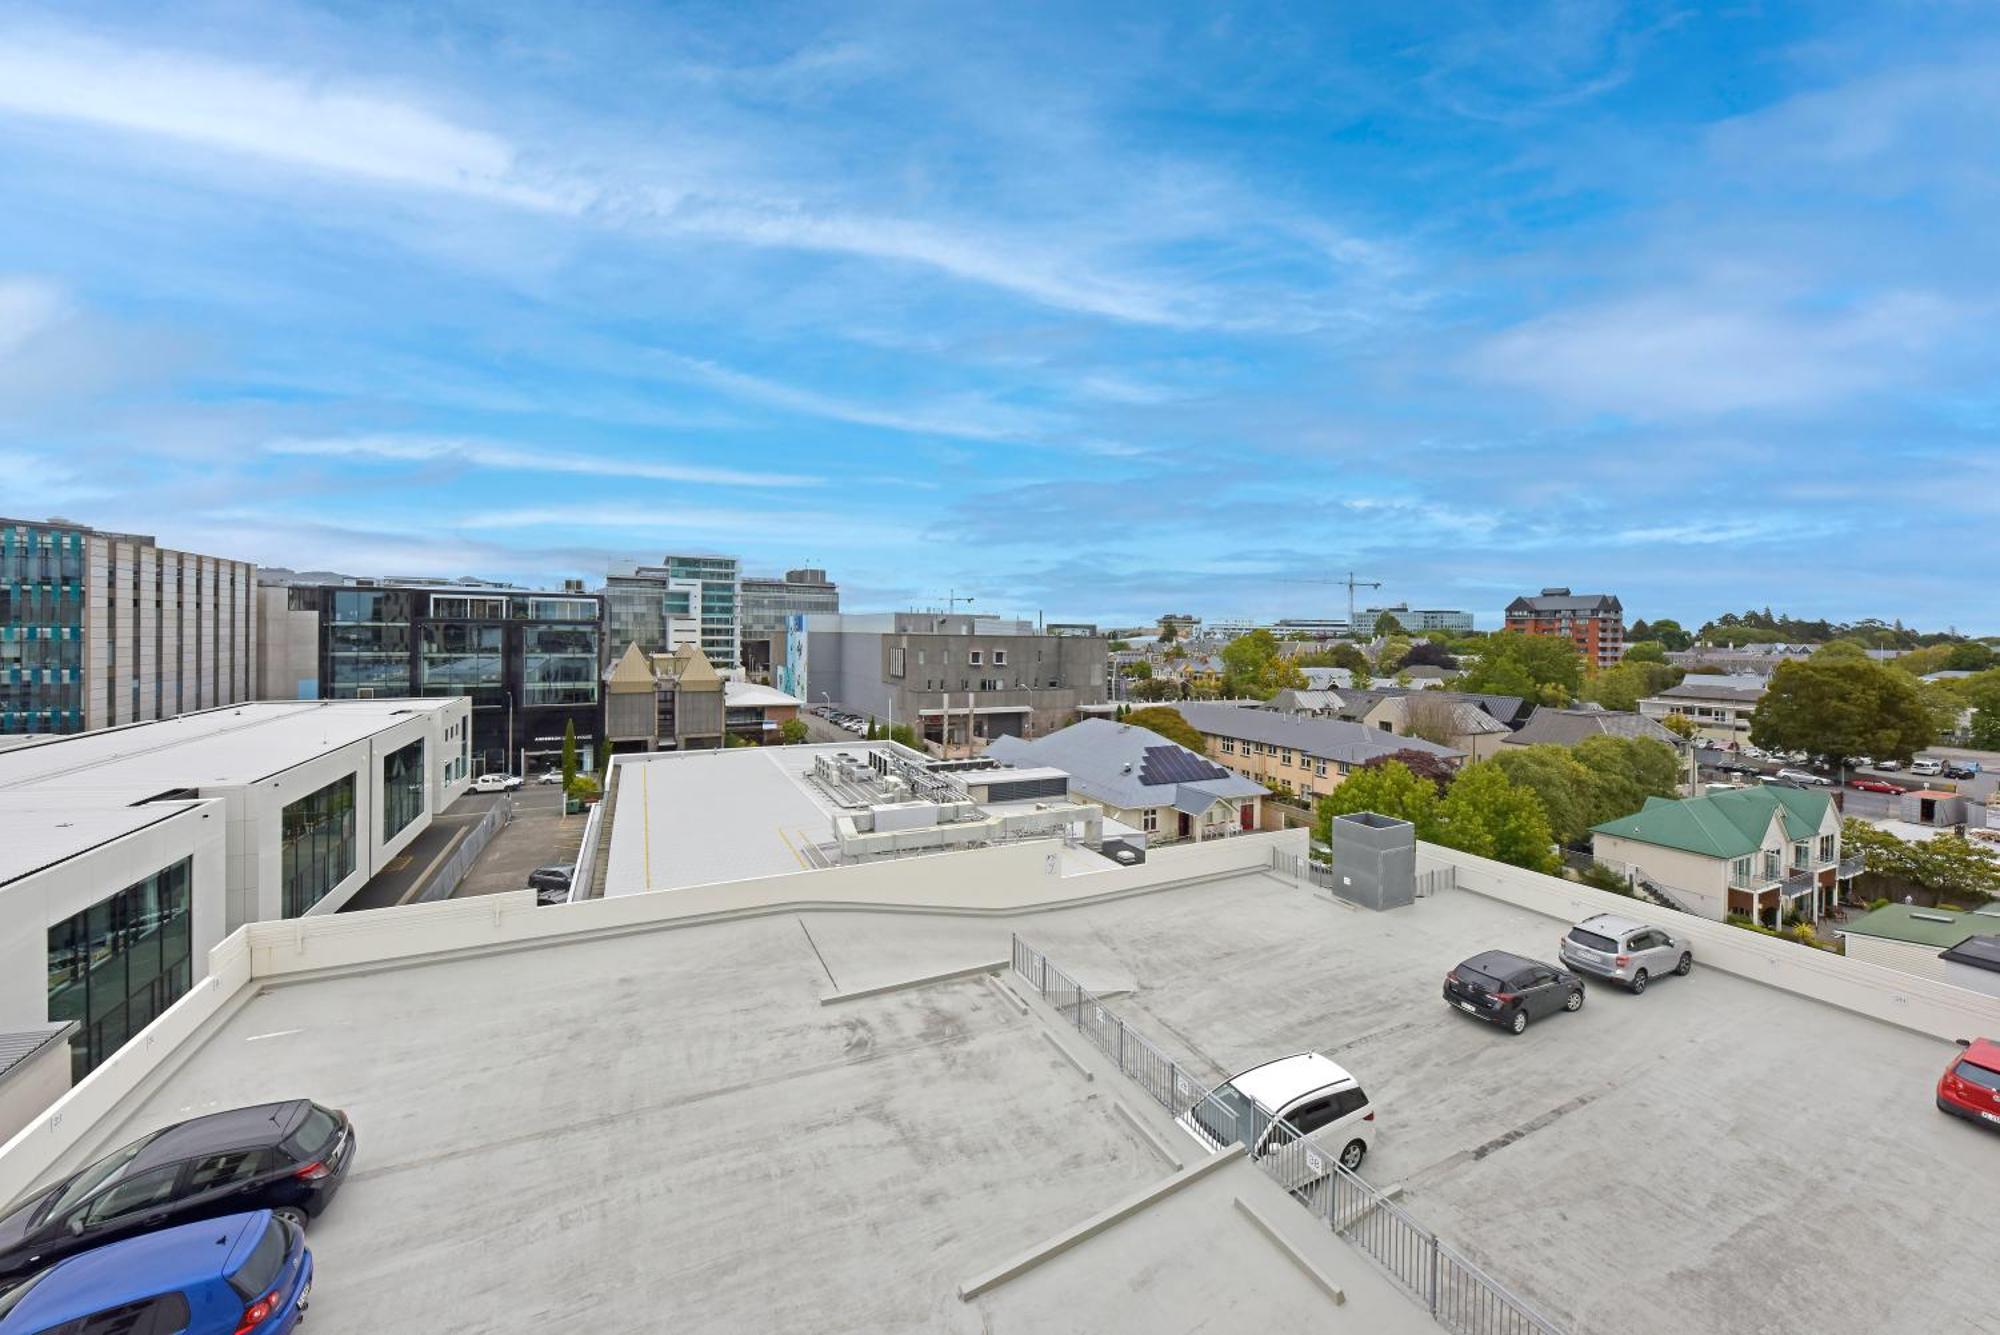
{"points": [[788, 844], [646, 820]]}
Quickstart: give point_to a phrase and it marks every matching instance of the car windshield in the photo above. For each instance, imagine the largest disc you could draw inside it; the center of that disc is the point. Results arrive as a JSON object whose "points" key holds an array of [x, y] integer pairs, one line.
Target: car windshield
{"points": [[1592, 941], [1475, 978], [1973, 1073], [104, 1171], [313, 1137]]}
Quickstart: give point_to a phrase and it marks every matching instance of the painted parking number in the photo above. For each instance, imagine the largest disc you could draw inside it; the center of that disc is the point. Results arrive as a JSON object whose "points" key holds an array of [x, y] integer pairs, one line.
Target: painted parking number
{"points": [[1314, 1162]]}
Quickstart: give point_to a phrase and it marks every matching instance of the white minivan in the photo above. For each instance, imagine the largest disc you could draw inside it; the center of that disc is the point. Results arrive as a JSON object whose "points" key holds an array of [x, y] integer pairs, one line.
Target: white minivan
{"points": [[1305, 1107]]}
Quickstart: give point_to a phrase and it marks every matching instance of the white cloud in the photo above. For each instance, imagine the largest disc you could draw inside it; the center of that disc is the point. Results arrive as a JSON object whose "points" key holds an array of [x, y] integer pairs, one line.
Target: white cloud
{"points": [[278, 116], [27, 307], [680, 523], [550, 459], [1703, 352]]}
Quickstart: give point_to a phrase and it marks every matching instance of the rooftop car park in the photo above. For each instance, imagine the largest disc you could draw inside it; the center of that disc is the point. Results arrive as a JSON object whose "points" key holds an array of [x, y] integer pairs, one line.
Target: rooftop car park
{"points": [[684, 1123]]}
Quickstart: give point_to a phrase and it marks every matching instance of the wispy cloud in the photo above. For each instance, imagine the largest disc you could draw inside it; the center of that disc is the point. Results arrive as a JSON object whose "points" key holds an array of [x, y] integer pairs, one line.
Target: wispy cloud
{"points": [[554, 458], [27, 307]]}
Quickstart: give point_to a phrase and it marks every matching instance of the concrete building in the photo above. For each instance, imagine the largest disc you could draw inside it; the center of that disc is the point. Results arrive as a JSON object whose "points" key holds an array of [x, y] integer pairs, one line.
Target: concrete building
{"points": [[1142, 780], [528, 659], [1315, 628], [1760, 852], [99, 629], [1300, 757], [132, 851], [692, 599], [663, 702], [957, 677], [1720, 707], [1594, 622], [769, 605]]}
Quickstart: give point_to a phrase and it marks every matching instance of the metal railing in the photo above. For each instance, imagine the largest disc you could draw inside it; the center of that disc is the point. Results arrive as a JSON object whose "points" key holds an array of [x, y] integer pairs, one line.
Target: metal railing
{"points": [[1321, 874], [1459, 1295], [467, 853]]}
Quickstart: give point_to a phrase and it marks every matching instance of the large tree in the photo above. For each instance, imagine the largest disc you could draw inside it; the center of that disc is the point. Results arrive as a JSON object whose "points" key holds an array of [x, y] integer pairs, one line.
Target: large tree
{"points": [[1429, 653], [1982, 694], [1840, 707], [1387, 789], [1487, 814], [1624, 685], [1558, 781], [1645, 651], [1669, 633], [1255, 666], [1543, 668], [1947, 865], [1598, 780], [1386, 625], [1170, 724]]}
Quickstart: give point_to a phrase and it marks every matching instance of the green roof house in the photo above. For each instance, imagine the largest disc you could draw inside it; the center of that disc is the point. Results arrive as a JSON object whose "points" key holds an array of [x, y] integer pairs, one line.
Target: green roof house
{"points": [[1764, 852]]}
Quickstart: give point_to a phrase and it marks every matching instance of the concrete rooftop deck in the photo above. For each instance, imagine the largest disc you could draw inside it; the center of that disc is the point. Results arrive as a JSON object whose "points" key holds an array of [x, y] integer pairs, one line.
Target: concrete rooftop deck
{"points": [[667, 1127]]}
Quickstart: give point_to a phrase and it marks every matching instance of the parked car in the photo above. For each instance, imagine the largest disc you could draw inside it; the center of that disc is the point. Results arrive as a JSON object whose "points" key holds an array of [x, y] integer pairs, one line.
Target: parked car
{"points": [[1624, 950], [1736, 767], [1873, 785], [1860, 762], [549, 776], [551, 884], [1970, 1086], [1510, 990], [1887, 766], [288, 1157], [1926, 765], [496, 783], [241, 1274], [1305, 1096], [1967, 771], [1805, 777]]}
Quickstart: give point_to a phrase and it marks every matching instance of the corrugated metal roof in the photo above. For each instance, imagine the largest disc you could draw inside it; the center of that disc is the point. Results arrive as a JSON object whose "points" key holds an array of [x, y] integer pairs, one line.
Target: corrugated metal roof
{"points": [[1327, 738], [1105, 762], [20, 1045]]}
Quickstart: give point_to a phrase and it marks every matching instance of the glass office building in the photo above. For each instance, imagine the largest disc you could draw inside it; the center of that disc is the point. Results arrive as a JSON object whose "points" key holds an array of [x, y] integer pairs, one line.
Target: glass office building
{"points": [[41, 629], [683, 599], [316, 848], [119, 963], [530, 662], [402, 788]]}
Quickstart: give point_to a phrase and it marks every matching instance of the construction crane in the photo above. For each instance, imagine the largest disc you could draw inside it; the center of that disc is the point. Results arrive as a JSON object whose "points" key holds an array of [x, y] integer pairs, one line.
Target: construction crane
{"points": [[1351, 583]]}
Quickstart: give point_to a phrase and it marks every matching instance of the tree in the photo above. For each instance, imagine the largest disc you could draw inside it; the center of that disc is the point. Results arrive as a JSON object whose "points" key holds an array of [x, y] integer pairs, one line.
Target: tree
{"points": [[1139, 671], [1971, 656], [1598, 780], [1389, 654], [1431, 718], [1157, 688], [1170, 724], [1841, 651], [569, 765], [1488, 815], [1429, 653], [1349, 656], [905, 734], [604, 756], [1680, 725], [1426, 765], [792, 731], [1669, 634], [1169, 631], [1645, 651], [1546, 668], [1255, 666], [1948, 866], [1558, 781], [730, 740], [1840, 707], [1388, 789], [1652, 767], [1982, 693], [1624, 685], [874, 733], [1386, 625]]}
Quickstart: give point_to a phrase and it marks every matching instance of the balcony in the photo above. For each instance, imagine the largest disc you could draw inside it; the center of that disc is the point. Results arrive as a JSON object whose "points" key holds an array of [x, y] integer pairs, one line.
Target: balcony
{"points": [[1852, 866]]}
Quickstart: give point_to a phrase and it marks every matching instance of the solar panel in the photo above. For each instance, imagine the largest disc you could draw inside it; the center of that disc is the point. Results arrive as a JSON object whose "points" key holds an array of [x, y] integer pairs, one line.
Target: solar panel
{"points": [[1171, 764]]}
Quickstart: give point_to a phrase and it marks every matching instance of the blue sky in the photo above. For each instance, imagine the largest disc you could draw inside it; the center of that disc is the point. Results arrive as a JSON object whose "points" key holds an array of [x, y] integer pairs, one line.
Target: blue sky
{"points": [[1098, 311]]}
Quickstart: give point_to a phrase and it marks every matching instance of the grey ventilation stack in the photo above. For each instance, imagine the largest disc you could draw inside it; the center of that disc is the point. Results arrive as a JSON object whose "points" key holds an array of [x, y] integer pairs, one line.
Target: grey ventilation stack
{"points": [[1374, 860]]}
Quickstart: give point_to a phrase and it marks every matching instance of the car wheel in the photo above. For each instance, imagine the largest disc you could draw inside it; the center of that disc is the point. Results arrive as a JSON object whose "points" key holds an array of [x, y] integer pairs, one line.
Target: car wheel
{"points": [[1638, 982], [1519, 1022], [1686, 966], [1351, 1157], [1574, 1001], [295, 1217]]}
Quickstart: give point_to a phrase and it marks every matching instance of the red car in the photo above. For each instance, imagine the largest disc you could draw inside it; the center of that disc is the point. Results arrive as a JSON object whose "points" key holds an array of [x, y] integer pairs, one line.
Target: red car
{"points": [[1873, 786], [1970, 1087]]}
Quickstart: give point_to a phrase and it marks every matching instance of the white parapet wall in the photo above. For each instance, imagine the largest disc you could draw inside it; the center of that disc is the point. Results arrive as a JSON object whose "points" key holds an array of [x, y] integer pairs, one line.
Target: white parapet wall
{"points": [[1886, 994]]}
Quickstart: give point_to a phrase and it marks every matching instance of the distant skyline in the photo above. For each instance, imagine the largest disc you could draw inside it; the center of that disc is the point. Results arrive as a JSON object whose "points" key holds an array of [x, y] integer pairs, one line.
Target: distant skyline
{"points": [[1098, 313]]}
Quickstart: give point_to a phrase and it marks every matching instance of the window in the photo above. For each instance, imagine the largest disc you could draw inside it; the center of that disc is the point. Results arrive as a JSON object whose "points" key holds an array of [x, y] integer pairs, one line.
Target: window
{"points": [[166, 1314], [120, 962], [1319, 768], [559, 665], [897, 660], [259, 1270], [132, 1195], [1228, 747], [1826, 843], [314, 1136], [316, 852], [999, 658], [1773, 861], [402, 788], [974, 658], [224, 1169], [1310, 1117], [1149, 820], [562, 609], [1386, 726], [1285, 756], [1349, 1101], [1799, 853]]}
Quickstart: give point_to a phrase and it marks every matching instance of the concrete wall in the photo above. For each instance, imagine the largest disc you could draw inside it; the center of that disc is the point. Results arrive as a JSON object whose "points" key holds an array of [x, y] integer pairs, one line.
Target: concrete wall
{"points": [[35, 903], [31, 1086], [287, 648], [1890, 995]]}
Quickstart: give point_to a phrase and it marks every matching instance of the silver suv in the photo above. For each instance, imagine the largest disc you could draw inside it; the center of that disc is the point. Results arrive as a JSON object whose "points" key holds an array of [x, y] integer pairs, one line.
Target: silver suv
{"points": [[1624, 950]]}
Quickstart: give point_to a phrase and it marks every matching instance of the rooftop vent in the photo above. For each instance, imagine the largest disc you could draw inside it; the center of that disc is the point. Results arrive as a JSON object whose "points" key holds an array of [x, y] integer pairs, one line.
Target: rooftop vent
{"points": [[1933, 917]]}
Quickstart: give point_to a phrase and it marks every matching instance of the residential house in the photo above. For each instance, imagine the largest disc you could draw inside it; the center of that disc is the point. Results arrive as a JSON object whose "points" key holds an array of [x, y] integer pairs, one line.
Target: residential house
{"points": [[1754, 851], [1550, 726], [1942, 944], [1141, 779], [1594, 622], [1719, 706], [1297, 755]]}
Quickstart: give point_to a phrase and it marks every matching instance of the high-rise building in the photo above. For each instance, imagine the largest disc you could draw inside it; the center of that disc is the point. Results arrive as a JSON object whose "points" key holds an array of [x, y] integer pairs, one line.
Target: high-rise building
{"points": [[102, 628], [768, 606], [1419, 619], [1594, 622], [528, 659], [683, 599]]}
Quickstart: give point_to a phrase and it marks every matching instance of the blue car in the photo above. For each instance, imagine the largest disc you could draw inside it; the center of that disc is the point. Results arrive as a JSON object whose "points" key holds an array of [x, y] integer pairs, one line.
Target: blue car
{"points": [[236, 1275]]}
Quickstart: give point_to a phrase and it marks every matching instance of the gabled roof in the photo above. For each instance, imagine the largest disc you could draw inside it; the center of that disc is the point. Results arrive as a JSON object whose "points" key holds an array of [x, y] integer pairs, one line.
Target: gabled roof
{"points": [[1327, 738], [1109, 762], [1562, 600], [1567, 727], [631, 671], [1721, 825]]}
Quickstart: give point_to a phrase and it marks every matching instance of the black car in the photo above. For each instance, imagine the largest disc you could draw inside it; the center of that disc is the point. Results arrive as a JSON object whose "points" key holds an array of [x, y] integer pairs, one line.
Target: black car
{"points": [[551, 883], [1510, 990], [289, 1158], [1960, 772]]}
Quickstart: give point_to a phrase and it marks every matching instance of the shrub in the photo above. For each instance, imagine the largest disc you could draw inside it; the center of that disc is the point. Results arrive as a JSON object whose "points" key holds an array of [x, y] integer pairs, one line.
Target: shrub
{"points": [[1605, 878], [1874, 904]]}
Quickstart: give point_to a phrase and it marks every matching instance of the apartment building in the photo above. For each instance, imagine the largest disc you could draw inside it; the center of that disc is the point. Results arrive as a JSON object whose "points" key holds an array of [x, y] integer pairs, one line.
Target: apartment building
{"points": [[1594, 622], [1720, 706], [100, 628]]}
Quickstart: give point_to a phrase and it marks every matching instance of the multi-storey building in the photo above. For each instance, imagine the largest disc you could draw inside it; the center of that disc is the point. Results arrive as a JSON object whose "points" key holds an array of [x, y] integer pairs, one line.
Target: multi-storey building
{"points": [[100, 628], [529, 660], [682, 600], [769, 604], [1420, 619], [952, 675], [1594, 622], [1719, 705]]}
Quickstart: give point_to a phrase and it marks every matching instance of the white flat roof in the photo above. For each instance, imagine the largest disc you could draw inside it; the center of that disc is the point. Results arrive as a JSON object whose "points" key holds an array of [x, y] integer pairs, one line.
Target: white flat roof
{"points": [[231, 746], [42, 831], [749, 694]]}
